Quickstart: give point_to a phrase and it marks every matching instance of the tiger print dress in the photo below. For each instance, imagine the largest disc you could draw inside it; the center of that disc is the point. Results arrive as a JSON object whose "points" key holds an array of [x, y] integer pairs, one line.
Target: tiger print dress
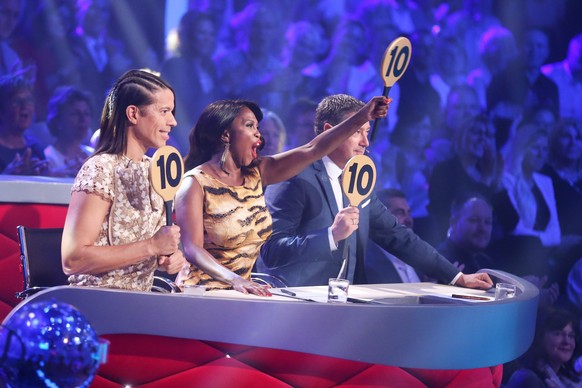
{"points": [[236, 223]]}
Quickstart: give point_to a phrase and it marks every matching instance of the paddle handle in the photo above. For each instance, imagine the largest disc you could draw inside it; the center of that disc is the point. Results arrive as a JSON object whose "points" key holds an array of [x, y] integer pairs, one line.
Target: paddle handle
{"points": [[385, 93], [168, 206]]}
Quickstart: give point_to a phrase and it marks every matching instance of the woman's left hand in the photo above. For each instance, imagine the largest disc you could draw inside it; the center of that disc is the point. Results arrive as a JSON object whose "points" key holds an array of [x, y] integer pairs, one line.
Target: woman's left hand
{"points": [[249, 287], [377, 107]]}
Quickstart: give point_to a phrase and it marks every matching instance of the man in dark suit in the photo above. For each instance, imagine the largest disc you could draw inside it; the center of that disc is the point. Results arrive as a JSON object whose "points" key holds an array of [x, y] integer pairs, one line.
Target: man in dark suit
{"points": [[311, 225]]}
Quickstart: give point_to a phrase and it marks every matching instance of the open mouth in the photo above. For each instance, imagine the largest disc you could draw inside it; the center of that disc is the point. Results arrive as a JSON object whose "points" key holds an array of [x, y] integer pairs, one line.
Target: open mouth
{"points": [[257, 147]]}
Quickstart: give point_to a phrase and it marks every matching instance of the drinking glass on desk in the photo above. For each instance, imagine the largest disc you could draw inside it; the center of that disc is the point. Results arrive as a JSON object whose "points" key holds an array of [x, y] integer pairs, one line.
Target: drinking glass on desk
{"points": [[504, 291], [193, 289], [337, 291]]}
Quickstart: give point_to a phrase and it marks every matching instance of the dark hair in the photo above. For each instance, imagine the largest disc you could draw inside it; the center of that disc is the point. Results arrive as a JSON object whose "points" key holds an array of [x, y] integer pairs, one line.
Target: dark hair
{"points": [[470, 123], [188, 22], [334, 109], [61, 99], [386, 195], [12, 84], [217, 117], [557, 131], [134, 87], [552, 319]]}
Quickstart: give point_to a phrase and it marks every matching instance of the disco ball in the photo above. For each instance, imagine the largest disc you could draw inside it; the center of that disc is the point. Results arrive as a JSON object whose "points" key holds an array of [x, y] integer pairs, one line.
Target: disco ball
{"points": [[49, 344]]}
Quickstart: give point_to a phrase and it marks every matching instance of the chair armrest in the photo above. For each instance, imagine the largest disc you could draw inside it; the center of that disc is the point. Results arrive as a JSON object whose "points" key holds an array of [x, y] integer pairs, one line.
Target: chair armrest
{"points": [[28, 292], [162, 284]]}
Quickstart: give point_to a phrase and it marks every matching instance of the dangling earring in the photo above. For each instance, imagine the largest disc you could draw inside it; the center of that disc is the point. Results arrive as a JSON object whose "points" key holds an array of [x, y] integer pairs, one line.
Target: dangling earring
{"points": [[223, 158]]}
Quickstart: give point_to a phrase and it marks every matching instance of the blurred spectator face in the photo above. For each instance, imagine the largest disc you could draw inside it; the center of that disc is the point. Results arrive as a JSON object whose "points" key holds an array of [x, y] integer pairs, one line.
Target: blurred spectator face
{"points": [[462, 104], [19, 113], [418, 134], [54, 25], [94, 16], [544, 118], [401, 210], [575, 57], [352, 43], [559, 345], [264, 32], [478, 139], [9, 14], [303, 126], [203, 38], [304, 42], [422, 51], [498, 48], [451, 59], [66, 10], [274, 138], [569, 143], [76, 121], [536, 154], [536, 48], [472, 227]]}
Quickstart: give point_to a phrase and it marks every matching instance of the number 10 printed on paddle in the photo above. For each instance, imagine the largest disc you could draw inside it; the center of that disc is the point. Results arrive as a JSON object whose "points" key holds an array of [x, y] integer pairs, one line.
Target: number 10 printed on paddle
{"points": [[166, 175], [394, 64], [358, 179]]}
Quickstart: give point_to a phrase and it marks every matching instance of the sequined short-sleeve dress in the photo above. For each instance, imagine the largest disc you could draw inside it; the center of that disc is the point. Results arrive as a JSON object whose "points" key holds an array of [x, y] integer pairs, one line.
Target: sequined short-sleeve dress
{"points": [[136, 213]]}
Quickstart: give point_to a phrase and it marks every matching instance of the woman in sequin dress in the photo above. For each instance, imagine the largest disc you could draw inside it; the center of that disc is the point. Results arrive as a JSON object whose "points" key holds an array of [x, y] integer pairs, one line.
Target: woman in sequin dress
{"points": [[114, 234]]}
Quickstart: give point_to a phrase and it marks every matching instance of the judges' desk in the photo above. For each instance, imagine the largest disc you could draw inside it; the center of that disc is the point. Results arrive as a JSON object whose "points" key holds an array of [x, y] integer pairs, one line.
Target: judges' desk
{"points": [[407, 325]]}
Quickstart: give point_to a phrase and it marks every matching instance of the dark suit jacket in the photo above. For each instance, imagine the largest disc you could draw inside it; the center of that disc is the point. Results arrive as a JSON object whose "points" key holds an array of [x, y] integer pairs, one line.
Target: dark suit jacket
{"points": [[304, 207]]}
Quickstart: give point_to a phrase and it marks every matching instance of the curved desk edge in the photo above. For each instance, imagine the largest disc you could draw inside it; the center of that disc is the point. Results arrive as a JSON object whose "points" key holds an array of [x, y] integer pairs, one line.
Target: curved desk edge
{"points": [[435, 336]]}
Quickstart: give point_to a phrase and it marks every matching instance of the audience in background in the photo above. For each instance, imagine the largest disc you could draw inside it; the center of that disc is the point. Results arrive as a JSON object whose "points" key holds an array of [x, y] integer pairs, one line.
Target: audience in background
{"points": [[300, 122], [10, 62], [469, 234], [273, 132], [567, 74], [496, 50], [450, 67], [192, 72], [522, 88], [44, 42], [474, 168], [416, 92], [69, 115], [99, 57], [469, 22], [348, 67], [404, 164], [462, 105], [550, 360], [245, 70], [19, 154], [300, 55], [526, 207], [564, 167]]}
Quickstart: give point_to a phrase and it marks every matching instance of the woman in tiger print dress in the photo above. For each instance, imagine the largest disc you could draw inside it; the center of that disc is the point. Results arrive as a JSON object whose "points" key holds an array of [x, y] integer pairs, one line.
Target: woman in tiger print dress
{"points": [[220, 206]]}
